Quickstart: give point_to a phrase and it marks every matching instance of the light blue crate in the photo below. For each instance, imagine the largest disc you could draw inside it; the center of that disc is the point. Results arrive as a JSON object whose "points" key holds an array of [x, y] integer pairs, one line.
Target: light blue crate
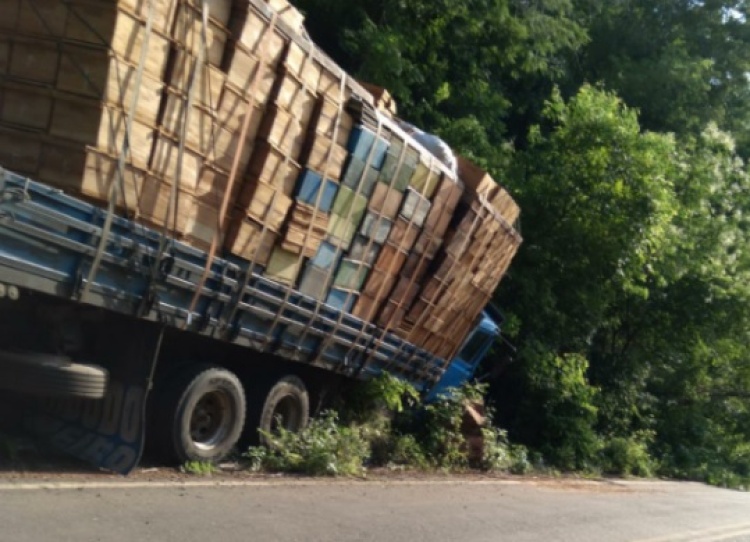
{"points": [[342, 300], [308, 187], [327, 256], [361, 142]]}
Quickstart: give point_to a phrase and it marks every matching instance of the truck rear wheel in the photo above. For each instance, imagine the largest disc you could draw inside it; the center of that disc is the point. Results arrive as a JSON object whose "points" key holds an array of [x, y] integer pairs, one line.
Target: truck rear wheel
{"points": [[200, 416], [287, 405]]}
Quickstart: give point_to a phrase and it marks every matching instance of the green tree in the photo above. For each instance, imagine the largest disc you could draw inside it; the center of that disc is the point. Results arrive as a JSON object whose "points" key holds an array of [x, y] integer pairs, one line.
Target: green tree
{"points": [[682, 63], [601, 197], [453, 65]]}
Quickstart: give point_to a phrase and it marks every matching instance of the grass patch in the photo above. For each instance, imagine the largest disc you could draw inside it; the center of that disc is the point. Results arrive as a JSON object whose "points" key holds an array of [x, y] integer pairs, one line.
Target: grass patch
{"points": [[199, 468]]}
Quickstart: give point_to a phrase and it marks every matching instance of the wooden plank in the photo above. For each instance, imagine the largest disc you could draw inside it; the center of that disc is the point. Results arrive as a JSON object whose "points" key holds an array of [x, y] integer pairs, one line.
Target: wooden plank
{"points": [[300, 240], [34, 59], [283, 131], [62, 163], [329, 86], [415, 207], [322, 155], [381, 98], [385, 201], [163, 11], [315, 281], [248, 239], [104, 26], [154, 205], [292, 95], [341, 230], [102, 127], [241, 73], [366, 307], [403, 234], [188, 31], [109, 79], [225, 145], [266, 204], [428, 244], [332, 120], [20, 150], [477, 180], [26, 105], [364, 249], [288, 13], [270, 165], [202, 223], [351, 274], [232, 110], [197, 132], [376, 227], [40, 17], [210, 81], [165, 159], [218, 10], [379, 283], [416, 266], [302, 64], [249, 29], [391, 315]]}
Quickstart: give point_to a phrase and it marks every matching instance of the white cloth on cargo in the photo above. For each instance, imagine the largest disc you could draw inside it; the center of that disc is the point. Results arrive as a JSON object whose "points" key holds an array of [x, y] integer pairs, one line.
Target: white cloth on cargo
{"points": [[432, 143]]}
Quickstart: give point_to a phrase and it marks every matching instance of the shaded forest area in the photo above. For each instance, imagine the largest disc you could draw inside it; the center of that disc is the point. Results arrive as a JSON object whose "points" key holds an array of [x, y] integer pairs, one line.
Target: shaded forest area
{"points": [[623, 129]]}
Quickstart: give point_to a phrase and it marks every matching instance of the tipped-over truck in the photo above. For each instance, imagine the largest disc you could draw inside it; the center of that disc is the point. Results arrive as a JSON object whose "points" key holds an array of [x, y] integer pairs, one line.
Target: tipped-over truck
{"points": [[207, 227]]}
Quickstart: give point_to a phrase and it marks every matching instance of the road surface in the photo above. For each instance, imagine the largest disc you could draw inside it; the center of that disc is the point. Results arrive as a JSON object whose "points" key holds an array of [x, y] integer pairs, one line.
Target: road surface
{"points": [[411, 511]]}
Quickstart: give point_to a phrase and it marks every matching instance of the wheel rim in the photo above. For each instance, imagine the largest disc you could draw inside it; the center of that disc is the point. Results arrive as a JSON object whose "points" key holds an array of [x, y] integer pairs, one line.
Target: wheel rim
{"points": [[287, 414], [211, 420]]}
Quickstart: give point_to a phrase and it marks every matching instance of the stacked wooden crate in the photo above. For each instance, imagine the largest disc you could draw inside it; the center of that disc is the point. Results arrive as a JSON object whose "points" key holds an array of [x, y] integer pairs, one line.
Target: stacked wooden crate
{"points": [[78, 75], [229, 129], [475, 256], [70, 77], [297, 161]]}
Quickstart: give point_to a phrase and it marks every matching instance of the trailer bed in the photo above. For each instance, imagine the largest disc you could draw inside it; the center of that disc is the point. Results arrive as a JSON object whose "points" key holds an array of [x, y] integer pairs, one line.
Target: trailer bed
{"points": [[49, 240]]}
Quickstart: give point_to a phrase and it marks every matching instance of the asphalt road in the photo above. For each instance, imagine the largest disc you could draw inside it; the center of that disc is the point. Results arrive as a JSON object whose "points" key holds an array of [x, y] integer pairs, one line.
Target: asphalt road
{"points": [[392, 511]]}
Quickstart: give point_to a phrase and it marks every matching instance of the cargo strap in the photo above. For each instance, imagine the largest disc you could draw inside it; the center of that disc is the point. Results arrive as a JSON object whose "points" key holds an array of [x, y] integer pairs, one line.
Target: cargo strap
{"points": [[489, 234], [170, 218], [444, 286], [337, 325], [265, 229], [382, 293], [112, 196], [371, 241], [234, 172], [316, 209]]}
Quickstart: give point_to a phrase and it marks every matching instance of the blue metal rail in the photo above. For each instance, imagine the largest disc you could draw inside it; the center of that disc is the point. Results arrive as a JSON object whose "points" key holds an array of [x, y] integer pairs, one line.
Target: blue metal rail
{"points": [[48, 241]]}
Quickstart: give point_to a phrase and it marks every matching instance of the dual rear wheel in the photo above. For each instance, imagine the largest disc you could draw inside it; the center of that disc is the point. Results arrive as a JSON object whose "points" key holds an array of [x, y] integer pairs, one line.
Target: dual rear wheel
{"points": [[200, 415]]}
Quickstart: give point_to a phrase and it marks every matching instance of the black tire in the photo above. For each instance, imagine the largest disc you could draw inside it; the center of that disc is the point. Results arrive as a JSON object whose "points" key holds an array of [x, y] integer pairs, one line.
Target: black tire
{"points": [[199, 415], [51, 375], [288, 404]]}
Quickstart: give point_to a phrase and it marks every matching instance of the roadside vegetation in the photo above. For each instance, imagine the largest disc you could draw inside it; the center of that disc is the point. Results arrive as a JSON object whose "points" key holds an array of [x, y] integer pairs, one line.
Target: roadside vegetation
{"points": [[623, 130], [384, 426]]}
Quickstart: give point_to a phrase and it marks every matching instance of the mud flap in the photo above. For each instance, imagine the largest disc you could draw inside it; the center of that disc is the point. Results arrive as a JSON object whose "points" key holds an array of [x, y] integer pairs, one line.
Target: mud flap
{"points": [[109, 433]]}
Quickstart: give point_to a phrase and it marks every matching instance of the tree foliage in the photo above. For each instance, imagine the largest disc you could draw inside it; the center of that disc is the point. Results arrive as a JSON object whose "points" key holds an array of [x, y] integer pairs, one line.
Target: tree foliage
{"points": [[621, 128]]}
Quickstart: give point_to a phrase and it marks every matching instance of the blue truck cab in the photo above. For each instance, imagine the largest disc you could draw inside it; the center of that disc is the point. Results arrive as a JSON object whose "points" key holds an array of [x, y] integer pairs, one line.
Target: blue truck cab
{"points": [[473, 351]]}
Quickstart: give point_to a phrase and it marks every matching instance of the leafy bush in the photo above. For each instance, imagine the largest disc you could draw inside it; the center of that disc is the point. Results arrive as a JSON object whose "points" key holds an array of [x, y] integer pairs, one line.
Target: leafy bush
{"points": [[324, 447], [628, 456], [387, 428]]}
